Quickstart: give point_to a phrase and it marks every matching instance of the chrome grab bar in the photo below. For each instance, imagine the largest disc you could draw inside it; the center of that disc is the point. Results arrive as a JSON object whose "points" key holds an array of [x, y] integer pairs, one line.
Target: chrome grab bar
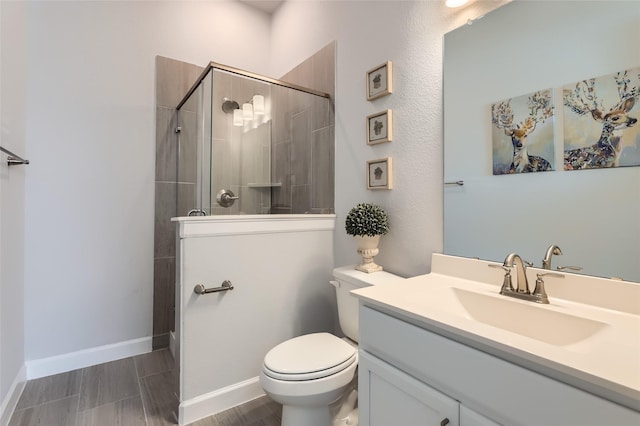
{"points": [[201, 289]]}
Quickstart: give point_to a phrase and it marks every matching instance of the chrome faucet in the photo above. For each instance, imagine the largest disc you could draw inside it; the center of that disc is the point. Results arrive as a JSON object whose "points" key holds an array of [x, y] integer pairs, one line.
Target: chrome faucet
{"points": [[521, 271], [553, 249], [522, 291]]}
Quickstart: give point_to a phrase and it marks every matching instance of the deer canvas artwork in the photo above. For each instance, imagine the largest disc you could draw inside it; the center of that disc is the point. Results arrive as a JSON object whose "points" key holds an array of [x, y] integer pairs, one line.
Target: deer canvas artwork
{"points": [[522, 134], [600, 115]]}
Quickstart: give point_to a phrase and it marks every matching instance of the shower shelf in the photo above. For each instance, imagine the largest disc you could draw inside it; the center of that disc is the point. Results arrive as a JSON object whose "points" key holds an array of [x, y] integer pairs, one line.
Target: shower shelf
{"points": [[265, 185]]}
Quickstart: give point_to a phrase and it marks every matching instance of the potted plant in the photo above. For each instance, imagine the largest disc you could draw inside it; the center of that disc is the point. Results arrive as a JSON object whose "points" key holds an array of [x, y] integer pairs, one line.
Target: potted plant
{"points": [[367, 222]]}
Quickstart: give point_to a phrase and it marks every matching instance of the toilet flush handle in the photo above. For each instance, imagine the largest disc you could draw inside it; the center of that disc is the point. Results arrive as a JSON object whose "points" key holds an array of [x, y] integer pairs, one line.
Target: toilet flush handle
{"points": [[336, 284]]}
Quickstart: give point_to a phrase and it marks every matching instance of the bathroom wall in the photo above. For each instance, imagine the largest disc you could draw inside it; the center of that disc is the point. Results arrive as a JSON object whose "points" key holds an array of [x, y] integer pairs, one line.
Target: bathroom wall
{"points": [[409, 33], [89, 216], [13, 86]]}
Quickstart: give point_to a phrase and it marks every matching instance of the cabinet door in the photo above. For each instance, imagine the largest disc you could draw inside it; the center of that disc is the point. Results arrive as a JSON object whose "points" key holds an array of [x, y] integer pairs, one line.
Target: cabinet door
{"points": [[468, 417], [388, 396]]}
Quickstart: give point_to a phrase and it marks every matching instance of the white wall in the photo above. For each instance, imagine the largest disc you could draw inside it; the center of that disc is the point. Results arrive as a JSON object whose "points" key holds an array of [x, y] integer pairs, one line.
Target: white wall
{"points": [[90, 187], [368, 33], [12, 189]]}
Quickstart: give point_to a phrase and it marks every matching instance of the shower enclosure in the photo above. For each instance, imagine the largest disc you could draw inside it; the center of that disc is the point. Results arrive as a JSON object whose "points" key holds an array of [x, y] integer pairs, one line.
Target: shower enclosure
{"points": [[249, 144]]}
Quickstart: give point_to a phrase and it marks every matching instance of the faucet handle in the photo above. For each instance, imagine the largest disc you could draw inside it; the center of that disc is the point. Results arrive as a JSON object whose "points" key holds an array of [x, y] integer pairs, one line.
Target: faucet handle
{"points": [[506, 269], [539, 292], [506, 283], [551, 274], [570, 268]]}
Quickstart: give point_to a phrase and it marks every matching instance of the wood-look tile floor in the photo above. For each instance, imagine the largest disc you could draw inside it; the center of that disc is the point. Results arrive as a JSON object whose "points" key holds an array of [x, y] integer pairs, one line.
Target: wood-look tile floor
{"points": [[136, 391]]}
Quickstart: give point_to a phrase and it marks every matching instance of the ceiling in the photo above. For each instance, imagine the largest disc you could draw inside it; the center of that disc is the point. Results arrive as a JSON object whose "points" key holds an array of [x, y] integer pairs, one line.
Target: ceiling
{"points": [[268, 6]]}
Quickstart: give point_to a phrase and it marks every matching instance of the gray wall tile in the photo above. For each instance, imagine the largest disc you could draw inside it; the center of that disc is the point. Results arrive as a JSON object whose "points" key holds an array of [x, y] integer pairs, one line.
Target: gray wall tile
{"points": [[301, 148], [186, 194], [173, 80], [164, 230], [187, 146], [322, 169], [164, 277], [166, 144]]}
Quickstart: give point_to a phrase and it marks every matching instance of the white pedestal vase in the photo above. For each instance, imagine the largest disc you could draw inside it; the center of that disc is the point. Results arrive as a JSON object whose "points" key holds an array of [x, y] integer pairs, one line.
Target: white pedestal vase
{"points": [[368, 249]]}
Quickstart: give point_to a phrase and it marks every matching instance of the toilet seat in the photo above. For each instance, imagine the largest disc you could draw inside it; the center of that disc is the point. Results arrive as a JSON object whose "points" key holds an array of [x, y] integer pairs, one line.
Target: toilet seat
{"points": [[309, 357]]}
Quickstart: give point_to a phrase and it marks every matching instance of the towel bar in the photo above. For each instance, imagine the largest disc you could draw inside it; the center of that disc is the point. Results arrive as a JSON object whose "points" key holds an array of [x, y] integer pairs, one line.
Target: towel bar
{"points": [[12, 158], [201, 289]]}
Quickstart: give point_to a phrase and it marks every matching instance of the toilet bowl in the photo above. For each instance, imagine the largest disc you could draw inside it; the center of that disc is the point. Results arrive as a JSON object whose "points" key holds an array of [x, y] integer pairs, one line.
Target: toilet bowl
{"points": [[308, 373]]}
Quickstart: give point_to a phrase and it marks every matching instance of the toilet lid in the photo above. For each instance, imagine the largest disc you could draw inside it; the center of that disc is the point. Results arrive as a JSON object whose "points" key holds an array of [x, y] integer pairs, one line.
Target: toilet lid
{"points": [[308, 357]]}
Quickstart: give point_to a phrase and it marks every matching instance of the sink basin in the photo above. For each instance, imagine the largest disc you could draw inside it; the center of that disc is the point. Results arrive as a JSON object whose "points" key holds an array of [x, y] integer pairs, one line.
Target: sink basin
{"points": [[527, 318], [588, 336]]}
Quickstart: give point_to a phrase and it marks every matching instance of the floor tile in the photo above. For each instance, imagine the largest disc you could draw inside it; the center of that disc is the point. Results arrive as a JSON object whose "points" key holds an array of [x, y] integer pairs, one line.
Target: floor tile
{"points": [[259, 409], [126, 412], [159, 398], [154, 362], [109, 382], [50, 388], [56, 413], [136, 391], [258, 412], [207, 421]]}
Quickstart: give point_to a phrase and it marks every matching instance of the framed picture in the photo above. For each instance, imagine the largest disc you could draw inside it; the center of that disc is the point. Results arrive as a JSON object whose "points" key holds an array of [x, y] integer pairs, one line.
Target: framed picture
{"points": [[379, 127], [379, 174], [522, 133], [379, 81], [594, 136]]}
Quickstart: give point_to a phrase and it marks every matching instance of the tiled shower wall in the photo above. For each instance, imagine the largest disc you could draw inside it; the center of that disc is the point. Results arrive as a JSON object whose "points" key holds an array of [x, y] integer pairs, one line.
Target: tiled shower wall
{"points": [[302, 160], [303, 138], [173, 80]]}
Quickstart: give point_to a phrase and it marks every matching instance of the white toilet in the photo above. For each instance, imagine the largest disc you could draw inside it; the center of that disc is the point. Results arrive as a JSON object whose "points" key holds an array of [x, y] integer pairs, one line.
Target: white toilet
{"points": [[308, 373]]}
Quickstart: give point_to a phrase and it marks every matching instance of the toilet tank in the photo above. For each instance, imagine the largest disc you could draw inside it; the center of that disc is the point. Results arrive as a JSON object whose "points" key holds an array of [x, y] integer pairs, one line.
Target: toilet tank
{"points": [[347, 279]]}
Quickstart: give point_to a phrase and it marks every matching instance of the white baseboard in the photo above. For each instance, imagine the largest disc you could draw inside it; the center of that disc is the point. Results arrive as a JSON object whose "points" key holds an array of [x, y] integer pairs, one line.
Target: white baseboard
{"points": [[222, 399], [87, 357], [11, 399]]}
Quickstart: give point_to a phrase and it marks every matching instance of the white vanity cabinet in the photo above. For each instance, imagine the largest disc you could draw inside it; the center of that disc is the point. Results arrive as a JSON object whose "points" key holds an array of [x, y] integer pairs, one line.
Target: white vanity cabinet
{"points": [[410, 375], [389, 396]]}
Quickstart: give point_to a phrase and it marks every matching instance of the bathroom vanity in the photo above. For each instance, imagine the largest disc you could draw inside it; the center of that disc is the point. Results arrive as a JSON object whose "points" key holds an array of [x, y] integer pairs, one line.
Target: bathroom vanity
{"points": [[446, 348]]}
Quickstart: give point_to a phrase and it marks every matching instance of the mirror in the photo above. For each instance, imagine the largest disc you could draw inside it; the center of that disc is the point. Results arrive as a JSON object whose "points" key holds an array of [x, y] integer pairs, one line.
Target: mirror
{"points": [[522, 47]]}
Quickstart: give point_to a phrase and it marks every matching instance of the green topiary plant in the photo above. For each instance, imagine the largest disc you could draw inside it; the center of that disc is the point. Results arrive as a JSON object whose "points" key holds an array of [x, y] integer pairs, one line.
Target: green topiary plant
{"points": [[367, 219]]}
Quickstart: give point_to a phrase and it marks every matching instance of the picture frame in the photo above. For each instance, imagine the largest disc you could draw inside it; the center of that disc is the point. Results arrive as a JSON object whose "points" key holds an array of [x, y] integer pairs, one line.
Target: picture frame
{"points": [[379, 81], [380, 127], [380, 174]]}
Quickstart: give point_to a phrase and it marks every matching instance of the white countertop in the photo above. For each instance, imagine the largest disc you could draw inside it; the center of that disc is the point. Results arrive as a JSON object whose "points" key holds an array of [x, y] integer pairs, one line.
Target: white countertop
{"points": [[605, 362]]}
